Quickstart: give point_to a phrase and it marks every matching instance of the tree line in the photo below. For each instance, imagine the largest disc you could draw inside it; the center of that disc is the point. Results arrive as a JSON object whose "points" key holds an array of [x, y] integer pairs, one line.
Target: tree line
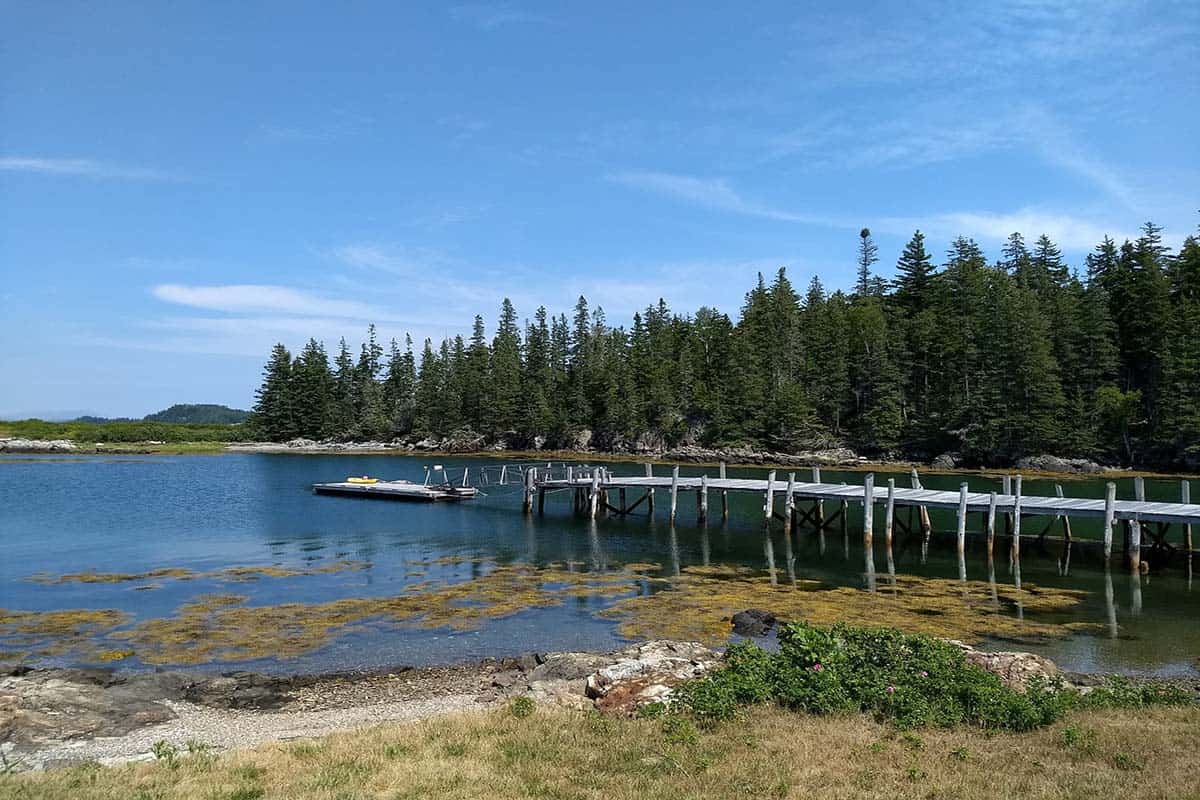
{"points": [[989, 360]]}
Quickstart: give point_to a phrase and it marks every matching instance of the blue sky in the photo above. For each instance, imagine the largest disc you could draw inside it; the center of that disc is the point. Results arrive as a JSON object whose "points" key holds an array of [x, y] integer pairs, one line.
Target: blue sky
{"points": [[182, 185]]}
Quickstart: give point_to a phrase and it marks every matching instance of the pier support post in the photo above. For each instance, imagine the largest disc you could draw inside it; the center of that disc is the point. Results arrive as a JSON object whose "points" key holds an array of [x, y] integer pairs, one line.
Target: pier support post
{"points": [[820, 504], [1110, 502], [1135, 528], [621, 494], [1006, 489], [789, 504], [674, 491], [530, 477], [541, 495], [650, 489], [868, 510], [962, 531], [1064, 562], [769, 505], [991, 525], [1015, 553], [889, 518], [702, 499], [724, 493], [594, 495], [1185, 497], [923, 515]]}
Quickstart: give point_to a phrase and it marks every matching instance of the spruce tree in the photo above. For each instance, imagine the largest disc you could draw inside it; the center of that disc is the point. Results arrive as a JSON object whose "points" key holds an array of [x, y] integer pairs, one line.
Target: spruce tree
{"points": [[273, 416]]}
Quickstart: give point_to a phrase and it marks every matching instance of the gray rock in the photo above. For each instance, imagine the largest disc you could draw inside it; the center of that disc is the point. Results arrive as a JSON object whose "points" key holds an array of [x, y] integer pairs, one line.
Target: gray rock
{"points": [[19, 445], [1048, 463], [569, 666], [753, 622], [945, 461], [648, 673]]}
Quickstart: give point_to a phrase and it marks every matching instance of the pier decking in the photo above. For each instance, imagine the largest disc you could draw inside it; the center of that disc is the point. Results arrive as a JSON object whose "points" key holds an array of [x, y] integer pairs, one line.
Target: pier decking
{"points": [[594, 487]]}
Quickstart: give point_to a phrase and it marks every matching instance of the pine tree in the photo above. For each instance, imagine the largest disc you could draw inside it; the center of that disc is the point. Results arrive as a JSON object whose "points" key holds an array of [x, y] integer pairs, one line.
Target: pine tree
{"points": [[312, 391], [505, 375], [273, 417], [914, 276], [399, 387], [868, 254]]}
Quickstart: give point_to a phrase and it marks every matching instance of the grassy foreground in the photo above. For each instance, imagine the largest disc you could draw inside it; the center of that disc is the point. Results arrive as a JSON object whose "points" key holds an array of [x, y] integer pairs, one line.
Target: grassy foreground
{"points": [[768, 753]]}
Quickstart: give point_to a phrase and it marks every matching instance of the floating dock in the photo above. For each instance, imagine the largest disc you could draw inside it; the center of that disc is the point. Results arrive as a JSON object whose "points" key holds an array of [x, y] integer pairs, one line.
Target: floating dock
{"points": [[397, 490]]}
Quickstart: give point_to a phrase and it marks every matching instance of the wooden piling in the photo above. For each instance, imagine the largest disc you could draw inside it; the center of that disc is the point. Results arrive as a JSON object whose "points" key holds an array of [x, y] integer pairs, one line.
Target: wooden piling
{"points": [[541, 497], [724, 493], [962, 531], [702, 499], [1135, 528], [595, 493], [868, 509], [1185, 497], [991, 525], [922, 511], [530, 477], [789, 503], [1006, 489], [769, 505], [621, 495], [889, 518], [820, 504], [1064, 562], [1110, 501], [1015, 553], [674, 491], [650, 490]]}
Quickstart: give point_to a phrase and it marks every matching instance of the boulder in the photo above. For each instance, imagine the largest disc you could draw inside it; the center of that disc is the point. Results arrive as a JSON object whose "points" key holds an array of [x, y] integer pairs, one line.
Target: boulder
{"points": [[945, 461], [19, 445], [568, 666], [581, 440], [753, 622], [1013, 667], [1048, 463], [648, 673]]}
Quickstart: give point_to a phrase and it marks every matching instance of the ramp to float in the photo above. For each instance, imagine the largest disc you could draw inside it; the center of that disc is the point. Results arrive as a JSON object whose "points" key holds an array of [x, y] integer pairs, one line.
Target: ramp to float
{"points": [[396, 490]]}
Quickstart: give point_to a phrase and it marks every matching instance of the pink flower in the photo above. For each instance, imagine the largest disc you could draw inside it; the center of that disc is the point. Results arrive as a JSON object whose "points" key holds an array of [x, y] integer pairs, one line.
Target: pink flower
{"points": [[891, 689], [924, 674], [817, 668]]}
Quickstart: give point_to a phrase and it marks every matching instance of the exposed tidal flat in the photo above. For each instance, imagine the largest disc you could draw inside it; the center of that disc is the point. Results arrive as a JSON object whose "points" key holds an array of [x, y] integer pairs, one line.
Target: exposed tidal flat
{"points": [[232, 562]]}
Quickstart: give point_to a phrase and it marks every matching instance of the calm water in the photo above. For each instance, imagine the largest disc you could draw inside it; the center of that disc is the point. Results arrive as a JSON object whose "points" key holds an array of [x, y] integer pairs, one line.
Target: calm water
{"points": [[210, 513]]}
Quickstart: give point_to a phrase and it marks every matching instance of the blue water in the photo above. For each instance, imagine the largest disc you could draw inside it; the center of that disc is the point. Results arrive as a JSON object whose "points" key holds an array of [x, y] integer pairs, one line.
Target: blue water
{"points": [[207, 513]]}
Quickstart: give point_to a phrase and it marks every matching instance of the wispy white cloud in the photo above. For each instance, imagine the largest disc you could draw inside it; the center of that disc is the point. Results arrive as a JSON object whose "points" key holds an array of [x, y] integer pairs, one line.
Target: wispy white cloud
{"points": [[262, 298], [711, 193], [83, 167], [488, 16], [1069, 232]]}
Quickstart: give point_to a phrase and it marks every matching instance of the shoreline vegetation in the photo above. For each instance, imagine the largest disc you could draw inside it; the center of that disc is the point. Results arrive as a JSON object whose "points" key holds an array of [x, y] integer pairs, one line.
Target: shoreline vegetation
{"points": [[62, 444], [973, 363], [919, 715]]}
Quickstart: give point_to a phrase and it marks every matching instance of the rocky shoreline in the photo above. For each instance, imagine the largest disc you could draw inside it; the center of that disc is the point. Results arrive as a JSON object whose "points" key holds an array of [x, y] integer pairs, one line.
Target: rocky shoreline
{"points": [[60, 717], [650, 448]]}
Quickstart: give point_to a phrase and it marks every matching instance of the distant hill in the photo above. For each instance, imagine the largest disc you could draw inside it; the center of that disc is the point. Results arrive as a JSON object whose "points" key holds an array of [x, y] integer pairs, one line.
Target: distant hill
{"points": [[199, 413], [100, 420]]}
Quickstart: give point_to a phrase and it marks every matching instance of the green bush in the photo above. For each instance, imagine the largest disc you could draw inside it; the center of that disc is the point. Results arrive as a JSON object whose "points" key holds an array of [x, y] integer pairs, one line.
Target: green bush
{"points": [[914, 681], [125, 432]]}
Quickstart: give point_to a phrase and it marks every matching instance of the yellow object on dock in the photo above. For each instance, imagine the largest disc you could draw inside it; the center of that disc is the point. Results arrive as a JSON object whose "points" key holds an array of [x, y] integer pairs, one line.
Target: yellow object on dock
{"points": [[363, 479]]}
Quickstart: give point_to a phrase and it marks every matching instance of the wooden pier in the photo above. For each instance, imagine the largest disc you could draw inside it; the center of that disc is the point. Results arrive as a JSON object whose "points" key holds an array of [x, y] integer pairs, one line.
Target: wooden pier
{"points": [[595, 489]]}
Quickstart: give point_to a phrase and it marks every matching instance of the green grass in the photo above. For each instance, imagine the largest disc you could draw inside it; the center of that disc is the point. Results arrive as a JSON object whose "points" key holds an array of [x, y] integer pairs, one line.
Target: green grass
{"points": [[122, 432], [766, 753]]}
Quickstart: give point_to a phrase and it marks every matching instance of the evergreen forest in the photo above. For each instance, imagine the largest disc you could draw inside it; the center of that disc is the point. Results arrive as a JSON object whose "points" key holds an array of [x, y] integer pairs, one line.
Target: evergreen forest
{"points": [[990, 360]]}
